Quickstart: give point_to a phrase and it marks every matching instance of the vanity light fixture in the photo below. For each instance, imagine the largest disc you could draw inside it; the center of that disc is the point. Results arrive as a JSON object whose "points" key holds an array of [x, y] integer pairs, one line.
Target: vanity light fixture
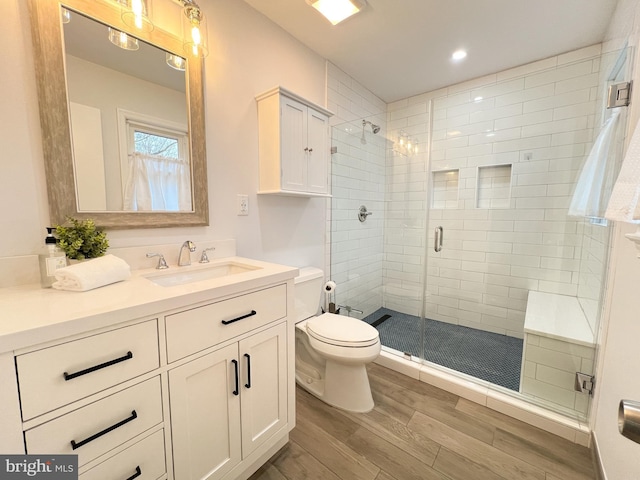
{"points": [[194, 29], [122, 40], [176, 61], [337, 10], [135, 14]]}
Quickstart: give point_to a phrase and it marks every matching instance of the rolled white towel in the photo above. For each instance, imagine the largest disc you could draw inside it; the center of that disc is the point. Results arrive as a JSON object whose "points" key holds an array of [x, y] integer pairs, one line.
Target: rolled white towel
{"points": [[91, 274]]}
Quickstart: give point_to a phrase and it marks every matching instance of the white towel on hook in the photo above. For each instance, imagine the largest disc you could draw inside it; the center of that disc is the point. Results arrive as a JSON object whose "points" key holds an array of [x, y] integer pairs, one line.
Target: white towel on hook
{"points": [[597, 175], [623, 204], [91, 274]]}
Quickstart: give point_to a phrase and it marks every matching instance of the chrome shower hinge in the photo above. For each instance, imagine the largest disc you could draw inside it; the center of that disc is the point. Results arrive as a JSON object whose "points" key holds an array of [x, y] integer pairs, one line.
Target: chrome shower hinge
{"points": [[619, 95], [584, 383]]}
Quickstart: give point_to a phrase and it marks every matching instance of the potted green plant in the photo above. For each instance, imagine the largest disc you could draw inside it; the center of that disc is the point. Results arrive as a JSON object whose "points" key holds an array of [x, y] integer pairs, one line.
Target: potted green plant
{"points": [[81, 239]]}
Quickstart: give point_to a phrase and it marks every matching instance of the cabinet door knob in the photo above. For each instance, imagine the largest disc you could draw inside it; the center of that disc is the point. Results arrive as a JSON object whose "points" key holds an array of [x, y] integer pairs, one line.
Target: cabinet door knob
{"points": [[306, 149], [310, 150]]}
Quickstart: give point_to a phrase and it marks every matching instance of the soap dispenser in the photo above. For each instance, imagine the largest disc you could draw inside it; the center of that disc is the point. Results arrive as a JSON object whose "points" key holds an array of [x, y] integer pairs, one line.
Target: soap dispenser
{"points": [[51, 259]]}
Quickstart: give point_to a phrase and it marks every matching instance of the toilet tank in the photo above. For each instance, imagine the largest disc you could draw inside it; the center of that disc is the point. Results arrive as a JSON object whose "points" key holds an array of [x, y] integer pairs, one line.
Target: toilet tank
{"points": [[308, 286]]}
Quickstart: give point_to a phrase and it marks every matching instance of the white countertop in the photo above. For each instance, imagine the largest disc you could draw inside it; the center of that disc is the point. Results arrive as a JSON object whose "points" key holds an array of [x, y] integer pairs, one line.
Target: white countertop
{"points": [[559, 317], [30, 315]]}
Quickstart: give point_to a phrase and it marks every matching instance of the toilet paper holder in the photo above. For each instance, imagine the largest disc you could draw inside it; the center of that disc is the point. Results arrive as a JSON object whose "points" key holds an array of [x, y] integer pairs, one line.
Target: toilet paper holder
{"points": [[629, 419]]}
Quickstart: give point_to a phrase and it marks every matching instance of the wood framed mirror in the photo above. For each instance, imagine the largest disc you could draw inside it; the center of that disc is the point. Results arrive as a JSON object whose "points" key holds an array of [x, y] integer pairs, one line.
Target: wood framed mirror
{"points": [[60, 139]]}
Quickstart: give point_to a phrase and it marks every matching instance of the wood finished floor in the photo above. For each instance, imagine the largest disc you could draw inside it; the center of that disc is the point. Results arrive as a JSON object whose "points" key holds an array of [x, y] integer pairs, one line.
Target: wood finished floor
{"points": [[417, 431]]}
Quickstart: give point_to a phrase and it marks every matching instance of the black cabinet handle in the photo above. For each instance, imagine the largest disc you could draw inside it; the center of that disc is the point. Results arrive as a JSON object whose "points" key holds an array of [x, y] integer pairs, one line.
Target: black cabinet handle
{"points": [[235, 366], [137, 474], [69, 376], [75, 445], [227, 322], [248, 384]]}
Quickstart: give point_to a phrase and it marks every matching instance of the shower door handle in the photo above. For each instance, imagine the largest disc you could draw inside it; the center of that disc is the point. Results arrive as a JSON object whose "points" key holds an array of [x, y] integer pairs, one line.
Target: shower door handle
{"points": [[439, 236]]}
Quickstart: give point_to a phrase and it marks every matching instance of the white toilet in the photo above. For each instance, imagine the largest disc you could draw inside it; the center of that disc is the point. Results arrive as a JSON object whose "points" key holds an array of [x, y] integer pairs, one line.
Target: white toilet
{"points": [[332, 350]]}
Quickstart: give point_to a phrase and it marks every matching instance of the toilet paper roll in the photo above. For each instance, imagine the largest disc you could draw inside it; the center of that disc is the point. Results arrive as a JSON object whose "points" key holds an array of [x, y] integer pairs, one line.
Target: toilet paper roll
{"points": [[329, 286]]}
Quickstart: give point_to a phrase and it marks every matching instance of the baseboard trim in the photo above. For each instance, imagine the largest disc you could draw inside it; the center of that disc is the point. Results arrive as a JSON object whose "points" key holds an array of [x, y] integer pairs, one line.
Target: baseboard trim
{"points": [[598, 468]]}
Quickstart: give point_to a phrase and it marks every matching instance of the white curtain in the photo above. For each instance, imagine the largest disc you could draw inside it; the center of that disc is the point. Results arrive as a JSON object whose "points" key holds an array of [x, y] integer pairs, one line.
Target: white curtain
{"points": [[157, 184]]}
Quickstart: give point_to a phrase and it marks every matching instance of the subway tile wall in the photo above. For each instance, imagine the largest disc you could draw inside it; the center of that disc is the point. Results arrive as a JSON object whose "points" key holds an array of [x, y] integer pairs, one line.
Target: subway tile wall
{"points": [[357, 178], [523, 133], [536, 120]]}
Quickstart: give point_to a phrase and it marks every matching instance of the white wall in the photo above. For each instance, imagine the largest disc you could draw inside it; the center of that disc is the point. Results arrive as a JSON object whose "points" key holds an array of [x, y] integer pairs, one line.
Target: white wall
{"points": [[248, 55], [619, 361]]}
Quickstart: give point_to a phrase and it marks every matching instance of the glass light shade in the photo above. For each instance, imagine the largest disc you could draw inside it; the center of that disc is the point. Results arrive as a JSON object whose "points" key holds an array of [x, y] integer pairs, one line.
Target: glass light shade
{"points": [[176, 61], [135, 14], [122, 40], [65, 14], [337, 10], [194, 30]]}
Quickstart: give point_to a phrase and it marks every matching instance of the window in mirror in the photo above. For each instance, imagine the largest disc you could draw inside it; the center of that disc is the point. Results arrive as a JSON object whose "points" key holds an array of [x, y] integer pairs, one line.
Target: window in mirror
{"points": [[158, 175]]}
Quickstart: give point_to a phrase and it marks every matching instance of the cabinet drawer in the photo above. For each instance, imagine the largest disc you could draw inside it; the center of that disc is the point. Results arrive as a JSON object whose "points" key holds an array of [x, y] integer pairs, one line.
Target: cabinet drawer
{"points": [[199, 328], [146, 456], [91, 427], [59, 375]]}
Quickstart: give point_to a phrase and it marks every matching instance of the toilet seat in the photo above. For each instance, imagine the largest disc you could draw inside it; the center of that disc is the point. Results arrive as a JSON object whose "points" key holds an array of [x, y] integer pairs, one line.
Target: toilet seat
{"points": [[342, 331]]}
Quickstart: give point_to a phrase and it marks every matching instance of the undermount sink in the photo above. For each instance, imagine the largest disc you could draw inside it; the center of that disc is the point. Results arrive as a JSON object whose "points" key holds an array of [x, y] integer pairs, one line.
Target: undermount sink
{"points": [[198, 273]]}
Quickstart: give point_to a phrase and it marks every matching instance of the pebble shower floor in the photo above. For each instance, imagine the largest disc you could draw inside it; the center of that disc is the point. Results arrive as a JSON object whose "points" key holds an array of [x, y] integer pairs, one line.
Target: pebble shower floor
{"points": [[484, 355]]}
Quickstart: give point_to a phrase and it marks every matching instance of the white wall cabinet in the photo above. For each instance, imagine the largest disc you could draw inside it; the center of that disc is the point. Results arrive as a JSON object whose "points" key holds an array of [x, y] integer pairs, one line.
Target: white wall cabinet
{"points": [[294, 143], [227, 403], [203, 391]]}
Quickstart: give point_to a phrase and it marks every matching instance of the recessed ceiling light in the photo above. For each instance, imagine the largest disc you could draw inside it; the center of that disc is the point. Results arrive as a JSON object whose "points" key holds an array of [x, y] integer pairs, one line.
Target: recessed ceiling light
{"points": [[459, 54], [337, 10]]}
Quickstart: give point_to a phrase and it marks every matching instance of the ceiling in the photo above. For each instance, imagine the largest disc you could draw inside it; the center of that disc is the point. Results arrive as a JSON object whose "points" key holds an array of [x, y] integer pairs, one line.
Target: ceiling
{"points": [[400, 48]]}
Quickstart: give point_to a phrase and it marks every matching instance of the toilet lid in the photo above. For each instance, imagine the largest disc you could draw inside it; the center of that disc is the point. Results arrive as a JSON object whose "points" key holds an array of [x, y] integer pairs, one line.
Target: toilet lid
{"points": [[341, 330]]}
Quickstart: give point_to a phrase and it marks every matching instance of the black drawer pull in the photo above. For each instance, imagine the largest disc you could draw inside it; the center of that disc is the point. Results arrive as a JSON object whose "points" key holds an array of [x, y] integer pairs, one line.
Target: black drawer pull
{"points": [[235, 366], [79, 444], [69, 376], [248, 384], [137, 474], [227, 322]]}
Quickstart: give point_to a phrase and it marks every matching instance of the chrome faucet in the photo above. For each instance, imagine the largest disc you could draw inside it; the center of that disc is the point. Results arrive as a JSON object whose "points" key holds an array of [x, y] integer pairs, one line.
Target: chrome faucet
{"points": [[185, 253]]}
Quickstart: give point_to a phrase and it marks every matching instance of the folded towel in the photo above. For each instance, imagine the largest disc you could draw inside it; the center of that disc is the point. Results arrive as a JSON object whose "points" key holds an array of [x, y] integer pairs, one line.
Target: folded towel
{"points": [[91, 274]]}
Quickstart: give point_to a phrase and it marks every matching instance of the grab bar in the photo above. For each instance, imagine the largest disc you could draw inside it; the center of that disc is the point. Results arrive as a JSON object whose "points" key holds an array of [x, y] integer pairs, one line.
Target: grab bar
{"points": [[439, 237]]}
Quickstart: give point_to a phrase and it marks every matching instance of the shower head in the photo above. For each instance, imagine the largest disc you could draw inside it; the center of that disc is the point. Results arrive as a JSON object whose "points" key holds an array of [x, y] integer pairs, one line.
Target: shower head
{"points": [[374, 128]]}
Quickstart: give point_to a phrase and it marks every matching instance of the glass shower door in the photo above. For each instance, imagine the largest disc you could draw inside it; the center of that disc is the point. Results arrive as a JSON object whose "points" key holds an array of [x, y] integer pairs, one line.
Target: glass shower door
{"points": [[504, 162]]}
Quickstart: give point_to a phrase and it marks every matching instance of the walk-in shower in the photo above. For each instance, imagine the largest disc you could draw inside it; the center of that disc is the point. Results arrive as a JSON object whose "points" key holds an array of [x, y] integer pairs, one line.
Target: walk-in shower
{"points": [[470, 244]]}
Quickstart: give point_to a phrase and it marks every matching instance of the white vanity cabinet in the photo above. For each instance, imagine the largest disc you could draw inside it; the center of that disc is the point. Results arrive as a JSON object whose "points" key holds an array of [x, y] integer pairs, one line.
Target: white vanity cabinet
{"points": [[226, 404], [293, 138], [192, 387]]}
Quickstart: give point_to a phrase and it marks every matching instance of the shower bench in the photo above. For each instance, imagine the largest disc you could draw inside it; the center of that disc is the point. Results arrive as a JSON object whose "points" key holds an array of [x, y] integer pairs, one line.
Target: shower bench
{"points": [[558, 343]]}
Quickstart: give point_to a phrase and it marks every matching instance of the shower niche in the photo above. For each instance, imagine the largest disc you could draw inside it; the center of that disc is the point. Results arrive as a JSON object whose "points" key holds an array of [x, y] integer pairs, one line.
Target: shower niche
{"points": [[494, 186]]}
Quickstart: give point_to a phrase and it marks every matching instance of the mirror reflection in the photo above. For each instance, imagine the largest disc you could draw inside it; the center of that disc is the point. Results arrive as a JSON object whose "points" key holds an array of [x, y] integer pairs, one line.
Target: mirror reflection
{"points": [[129, 121]]}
